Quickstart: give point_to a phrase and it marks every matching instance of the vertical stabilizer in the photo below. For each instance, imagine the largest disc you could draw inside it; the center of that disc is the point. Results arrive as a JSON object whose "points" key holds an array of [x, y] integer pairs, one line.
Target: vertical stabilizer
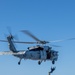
{"points": [[11, 45]]}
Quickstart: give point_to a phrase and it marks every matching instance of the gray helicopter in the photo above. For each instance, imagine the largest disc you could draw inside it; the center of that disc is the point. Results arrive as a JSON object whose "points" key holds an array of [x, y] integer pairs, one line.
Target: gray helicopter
{"points": [[39, 52]]}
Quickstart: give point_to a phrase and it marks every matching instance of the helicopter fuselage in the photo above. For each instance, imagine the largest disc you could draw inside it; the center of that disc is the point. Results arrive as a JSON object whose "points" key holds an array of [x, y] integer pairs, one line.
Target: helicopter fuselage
{"points": [[41, 54]]}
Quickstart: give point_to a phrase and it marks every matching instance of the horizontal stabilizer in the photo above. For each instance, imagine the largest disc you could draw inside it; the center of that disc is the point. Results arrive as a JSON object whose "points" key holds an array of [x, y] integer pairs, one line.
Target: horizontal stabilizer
{"points": [[12, 53]]}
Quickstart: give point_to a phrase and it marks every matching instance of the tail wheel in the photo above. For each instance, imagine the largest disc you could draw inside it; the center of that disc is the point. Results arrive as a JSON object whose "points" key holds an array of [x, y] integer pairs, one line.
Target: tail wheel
{"points": [[19, 62]]}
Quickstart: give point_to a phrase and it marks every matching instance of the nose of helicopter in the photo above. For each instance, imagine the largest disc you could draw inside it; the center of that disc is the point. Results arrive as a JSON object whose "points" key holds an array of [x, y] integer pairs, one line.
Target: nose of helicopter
{"points": [[55, 55]]}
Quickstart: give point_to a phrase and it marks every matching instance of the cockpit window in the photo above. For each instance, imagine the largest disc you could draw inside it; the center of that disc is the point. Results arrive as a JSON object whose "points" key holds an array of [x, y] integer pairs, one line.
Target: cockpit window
{"points": [[38, 48]]}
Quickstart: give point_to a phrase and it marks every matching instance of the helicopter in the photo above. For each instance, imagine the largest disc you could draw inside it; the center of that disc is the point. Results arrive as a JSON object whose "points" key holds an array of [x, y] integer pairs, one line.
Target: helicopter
{"points": [[39, 52]]}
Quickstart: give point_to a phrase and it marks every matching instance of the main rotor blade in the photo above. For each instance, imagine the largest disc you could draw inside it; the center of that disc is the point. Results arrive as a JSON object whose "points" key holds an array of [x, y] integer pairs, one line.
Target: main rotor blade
{"points": [[20, 42], [25, 42], [30, 34], [3, 41], [38, 42], [62, 40], [55, 45]]}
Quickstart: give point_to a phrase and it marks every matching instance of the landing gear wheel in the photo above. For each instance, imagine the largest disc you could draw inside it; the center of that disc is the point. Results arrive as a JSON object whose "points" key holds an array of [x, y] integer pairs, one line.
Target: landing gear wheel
{"points": [[18, 63], [53, 62], [39, 62]]}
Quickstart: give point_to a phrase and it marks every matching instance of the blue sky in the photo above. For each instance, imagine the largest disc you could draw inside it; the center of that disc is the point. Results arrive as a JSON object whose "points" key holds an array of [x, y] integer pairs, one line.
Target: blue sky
{"points": [[48, 20]]}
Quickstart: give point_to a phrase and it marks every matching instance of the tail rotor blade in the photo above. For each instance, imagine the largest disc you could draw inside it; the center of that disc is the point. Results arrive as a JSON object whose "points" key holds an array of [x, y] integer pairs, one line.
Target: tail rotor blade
{"points": [[9, 30]]}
